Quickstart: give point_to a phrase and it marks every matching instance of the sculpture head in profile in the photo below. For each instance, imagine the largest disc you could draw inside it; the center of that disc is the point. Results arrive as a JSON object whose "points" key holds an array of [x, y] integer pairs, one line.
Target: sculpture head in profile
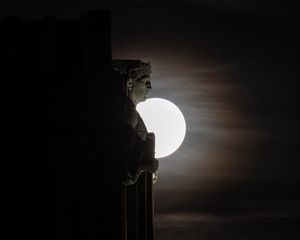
{"points": [[139, 143], [138, 83]]}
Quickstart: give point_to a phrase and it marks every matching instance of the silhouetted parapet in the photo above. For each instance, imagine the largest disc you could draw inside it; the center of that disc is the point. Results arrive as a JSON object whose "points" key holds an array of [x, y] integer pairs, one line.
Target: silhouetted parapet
{"points": [[63, 112]]}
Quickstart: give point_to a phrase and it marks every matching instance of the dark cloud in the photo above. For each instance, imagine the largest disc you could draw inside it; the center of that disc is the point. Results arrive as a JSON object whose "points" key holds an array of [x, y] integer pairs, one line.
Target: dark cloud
{"points": [[261, 225], [68, 8]]}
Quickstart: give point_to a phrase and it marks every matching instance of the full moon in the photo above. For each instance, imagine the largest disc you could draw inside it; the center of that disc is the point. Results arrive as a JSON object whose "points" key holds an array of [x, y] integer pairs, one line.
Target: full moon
{"points": [[166, 121]]}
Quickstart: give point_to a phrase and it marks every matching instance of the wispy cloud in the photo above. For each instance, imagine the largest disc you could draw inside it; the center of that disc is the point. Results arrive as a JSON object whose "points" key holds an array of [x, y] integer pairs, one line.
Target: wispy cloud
{"points": [[201, 225]]}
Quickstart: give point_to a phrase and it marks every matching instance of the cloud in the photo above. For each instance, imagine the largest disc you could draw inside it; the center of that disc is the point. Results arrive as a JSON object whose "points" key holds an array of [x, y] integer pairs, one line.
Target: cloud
{"points": [[203, 225], [186, 219]]}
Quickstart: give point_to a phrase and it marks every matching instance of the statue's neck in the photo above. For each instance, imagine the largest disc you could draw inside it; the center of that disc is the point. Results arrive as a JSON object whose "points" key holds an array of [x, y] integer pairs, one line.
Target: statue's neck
{"points": [[133, 100]]}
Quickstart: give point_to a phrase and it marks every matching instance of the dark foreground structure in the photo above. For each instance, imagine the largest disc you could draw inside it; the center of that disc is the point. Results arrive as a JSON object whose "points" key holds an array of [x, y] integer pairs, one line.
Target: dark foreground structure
{"points": [[64, 111]]}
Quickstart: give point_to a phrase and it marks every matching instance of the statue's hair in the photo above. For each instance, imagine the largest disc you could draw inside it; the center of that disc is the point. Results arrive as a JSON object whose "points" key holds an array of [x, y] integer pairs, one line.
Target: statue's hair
{"points": [[132, 69], [143, 70]]}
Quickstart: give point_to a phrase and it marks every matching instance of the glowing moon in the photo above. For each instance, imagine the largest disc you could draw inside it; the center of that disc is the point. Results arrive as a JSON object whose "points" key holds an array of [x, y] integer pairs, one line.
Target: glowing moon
{"points": [[166, 121]]}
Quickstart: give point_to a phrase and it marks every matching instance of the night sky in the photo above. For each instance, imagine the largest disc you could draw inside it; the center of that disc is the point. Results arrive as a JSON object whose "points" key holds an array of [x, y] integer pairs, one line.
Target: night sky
{"points": [[233, 70]]}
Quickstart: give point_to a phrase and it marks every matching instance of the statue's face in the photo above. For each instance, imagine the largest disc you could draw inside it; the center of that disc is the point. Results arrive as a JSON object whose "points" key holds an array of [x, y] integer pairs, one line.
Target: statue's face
{"points": [[141, 88]]}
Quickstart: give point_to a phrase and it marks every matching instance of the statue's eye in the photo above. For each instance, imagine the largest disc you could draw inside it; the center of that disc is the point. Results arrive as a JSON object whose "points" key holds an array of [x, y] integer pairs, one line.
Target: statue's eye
{"points": [[146, 79]]}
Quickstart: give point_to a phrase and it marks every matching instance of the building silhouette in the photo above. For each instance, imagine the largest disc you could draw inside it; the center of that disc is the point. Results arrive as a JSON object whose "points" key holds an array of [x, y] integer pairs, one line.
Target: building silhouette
{"points": [[64, 111]]}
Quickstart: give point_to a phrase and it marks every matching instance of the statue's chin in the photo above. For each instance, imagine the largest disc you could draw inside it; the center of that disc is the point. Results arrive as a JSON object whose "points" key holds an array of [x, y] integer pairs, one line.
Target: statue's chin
{"points": [[143, 99]]}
